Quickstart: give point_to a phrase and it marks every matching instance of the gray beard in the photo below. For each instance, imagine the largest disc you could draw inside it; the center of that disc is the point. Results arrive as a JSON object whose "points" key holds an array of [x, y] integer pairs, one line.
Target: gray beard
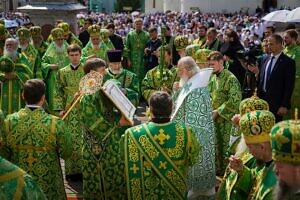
{"points": [[11, 54], [36, 45], [115, 72], [95, 46], [183, 81], [282, 191], [59, 49]]}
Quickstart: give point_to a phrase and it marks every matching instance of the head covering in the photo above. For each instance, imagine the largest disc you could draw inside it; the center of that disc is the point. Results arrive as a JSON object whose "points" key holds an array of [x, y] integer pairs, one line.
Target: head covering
{"points": [[36, 31], [253, 103], [94, 30], [114, 55], [104, 34], [57, 33], [23, 33], [285, 141], [256, 126], [65, 27], [181, 42], [191, 50], [201, 56], [2, 30], [6, 64]]}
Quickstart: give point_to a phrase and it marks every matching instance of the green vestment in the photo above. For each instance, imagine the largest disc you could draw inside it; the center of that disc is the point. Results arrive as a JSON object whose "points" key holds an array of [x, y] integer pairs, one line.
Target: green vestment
{"points": [[53, 57], [11, 90], [134, 46], [157, 159], [35, 61], [35, 140], [294, 53], [128, 81], [100, 52], [102, 168], [226, 95], [17, 184], [157, 80], [67, 84]]}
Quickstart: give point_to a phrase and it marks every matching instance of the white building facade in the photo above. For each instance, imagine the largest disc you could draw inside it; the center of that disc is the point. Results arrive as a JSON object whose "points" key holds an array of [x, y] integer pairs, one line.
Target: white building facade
{"points": [[207, 6]]}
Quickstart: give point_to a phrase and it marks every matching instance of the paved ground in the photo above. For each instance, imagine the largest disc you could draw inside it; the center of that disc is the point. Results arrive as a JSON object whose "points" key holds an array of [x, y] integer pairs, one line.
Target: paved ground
{"points": [[74, 189]]}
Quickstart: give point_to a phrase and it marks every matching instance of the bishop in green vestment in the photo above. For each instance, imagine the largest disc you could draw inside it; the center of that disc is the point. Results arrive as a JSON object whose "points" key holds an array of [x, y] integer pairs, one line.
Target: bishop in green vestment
{"points": [[55, 58], [67, 85], [135, 43], [226, 95], [13, 74], [37, 40], [161, 77], [126, 80], [102, 168], [258, 182], [30, 52], [96, 46], [285, 137], [158, 154], [193, 108], [16, 184], [35, 140]]}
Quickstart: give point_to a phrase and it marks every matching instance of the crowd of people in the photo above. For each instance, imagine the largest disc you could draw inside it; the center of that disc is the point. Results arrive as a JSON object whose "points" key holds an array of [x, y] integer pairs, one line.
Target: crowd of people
{"points": [[221, 89]]}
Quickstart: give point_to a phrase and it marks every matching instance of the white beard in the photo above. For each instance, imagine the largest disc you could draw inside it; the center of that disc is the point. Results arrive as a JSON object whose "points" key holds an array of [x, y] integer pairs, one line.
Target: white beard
{"points": [[115, 72], [11, 54], [183, 80], [96, 46], [60, 49]]}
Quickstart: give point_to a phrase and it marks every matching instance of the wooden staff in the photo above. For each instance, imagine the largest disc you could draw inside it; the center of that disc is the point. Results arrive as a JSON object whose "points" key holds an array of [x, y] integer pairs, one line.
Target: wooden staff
{"points": [[72, 106]]}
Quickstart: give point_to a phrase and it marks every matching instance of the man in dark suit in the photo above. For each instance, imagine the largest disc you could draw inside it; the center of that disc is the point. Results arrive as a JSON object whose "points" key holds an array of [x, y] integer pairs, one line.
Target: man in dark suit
{"points": [[115, 38], [276, 78]]}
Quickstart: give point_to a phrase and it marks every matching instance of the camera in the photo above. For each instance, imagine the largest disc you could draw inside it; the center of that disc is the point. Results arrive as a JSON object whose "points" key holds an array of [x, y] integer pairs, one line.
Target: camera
{"points": [[249, 56]]}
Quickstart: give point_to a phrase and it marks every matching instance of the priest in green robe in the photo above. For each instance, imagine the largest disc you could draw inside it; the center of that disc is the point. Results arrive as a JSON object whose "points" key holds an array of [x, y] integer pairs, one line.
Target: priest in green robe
{"points": [[67, 86], [193, 108], [292, 49], [14, 73], [15, 183], [35, 141], [125, 79], [135, 43], [55, 58], [102, 167], [226, 95], [24, 37], [158, 154]]}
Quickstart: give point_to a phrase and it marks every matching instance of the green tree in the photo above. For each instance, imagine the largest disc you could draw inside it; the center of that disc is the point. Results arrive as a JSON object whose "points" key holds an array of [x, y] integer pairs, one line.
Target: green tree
{"points": [[135, 4]]}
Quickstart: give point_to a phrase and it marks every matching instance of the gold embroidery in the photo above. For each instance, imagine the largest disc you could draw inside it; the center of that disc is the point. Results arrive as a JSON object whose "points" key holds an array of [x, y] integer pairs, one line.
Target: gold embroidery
{"points": [[30, 159], [177, 151], [162, 165], [137, 129], [173, 176], [161, 137], [134, 168], [149, 148], [135, 188], [133, 151]]}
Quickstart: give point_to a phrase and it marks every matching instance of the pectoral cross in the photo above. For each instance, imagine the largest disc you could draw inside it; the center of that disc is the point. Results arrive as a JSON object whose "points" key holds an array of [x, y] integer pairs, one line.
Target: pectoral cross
{"points": [[161, 137], [134, 168]]}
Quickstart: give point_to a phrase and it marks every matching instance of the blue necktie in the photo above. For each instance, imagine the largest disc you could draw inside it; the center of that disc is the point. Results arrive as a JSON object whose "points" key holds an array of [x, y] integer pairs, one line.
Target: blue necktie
{"points": [[268, 73]]}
